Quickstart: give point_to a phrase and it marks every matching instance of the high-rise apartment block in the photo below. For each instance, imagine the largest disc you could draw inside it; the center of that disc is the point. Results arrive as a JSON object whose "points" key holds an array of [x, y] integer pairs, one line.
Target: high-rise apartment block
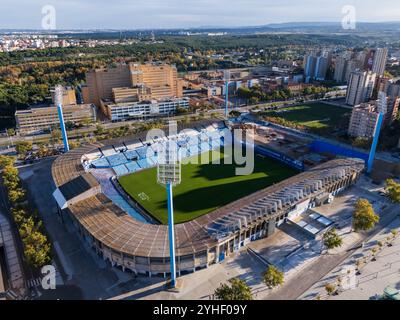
{"points": [[316, 65], [340, 69], [379, 61], [363, 121], [360, 88]]}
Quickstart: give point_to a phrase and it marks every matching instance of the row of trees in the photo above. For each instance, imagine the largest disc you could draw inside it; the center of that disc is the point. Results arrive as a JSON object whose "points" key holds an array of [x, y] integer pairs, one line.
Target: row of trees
{"points": [[255, 94], [286, 123], [37, 249], [237, 289]]}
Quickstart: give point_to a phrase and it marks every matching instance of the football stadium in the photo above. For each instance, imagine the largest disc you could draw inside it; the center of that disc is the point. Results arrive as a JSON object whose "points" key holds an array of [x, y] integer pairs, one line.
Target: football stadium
{"points": [[110, 192]]}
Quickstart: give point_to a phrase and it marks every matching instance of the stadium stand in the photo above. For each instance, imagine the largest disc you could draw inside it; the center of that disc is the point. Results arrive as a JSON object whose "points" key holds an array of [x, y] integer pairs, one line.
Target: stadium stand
{"points": [[121, 235]]}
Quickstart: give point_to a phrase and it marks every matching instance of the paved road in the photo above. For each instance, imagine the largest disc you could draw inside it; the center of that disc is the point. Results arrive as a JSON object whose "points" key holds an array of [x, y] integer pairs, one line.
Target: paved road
{"points": [[84, 273], [296, 286]]}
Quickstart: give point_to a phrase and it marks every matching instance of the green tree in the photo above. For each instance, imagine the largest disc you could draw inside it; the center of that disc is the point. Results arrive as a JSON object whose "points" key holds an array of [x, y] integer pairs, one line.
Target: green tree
{"points": [[364, 217], [393, 190], [10, 132], [55, 136], [272, 277], [10, 177], [23, 147], [16, 195], [37, 255], [6, 161], [19, 215], [330, 288], [237, 289], [332, 239]]}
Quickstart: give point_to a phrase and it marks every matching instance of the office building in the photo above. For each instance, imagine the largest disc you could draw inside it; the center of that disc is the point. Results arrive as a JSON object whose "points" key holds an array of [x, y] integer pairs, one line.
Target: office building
{"points": [[142, 109], [38, 119], [100, 82], [161, 81], [69, 96]]}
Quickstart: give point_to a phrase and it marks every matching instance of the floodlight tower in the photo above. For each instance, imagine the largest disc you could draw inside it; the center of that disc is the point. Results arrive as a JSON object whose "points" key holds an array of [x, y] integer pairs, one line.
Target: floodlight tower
{"points": [[169, 175], [58, 99], [382, 109], [375, 140], [227, 79]]}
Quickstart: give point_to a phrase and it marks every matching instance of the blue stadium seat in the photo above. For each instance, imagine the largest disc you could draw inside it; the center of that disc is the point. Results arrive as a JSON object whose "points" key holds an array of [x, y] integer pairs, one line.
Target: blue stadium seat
{"points": [[100, 163], [131, 154], [143, 164], [132, 166], [141, 152], [117, 159], [193, 150], [215, 144], [121, 170], [154, 160], [205, 147]]}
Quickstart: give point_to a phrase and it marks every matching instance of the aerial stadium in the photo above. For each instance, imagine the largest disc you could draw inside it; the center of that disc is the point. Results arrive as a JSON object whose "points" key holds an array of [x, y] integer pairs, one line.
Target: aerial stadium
{"points": [[110, 192]]}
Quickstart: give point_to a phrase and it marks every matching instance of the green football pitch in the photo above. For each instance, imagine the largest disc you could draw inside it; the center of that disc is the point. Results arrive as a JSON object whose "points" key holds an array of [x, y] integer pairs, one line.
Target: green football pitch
{"points": [[314, 115], [204, 187]]}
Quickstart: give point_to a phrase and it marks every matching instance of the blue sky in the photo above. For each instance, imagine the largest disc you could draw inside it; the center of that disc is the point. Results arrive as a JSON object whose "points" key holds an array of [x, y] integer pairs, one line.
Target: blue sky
{"points": [[132, 14]]}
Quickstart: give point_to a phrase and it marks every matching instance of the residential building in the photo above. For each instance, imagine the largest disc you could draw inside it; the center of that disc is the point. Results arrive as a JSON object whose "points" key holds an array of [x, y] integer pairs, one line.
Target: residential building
{"points": [[363, 121], [360, 88], [340, 70], [309, 67], [321, 68], [379, 61]]}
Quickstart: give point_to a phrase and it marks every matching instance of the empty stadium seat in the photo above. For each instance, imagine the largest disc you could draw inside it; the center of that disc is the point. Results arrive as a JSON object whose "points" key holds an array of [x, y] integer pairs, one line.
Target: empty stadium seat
{"points": [[117, 159], [132, 166], [121, 170]]}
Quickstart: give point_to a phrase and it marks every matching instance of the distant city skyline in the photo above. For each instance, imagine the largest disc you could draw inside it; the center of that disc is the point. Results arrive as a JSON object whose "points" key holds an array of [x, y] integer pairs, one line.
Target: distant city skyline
{"points": [[157, 14]]}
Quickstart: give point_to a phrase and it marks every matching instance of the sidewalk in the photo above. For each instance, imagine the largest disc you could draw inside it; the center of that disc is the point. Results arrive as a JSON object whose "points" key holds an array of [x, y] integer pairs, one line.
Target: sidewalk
{"points": [[16, 277], [374, 275]]}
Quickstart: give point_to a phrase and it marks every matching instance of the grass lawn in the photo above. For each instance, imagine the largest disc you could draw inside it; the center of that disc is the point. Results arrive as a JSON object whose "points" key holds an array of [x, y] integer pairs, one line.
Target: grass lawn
{"points": [[314, 116], [204, 187]]}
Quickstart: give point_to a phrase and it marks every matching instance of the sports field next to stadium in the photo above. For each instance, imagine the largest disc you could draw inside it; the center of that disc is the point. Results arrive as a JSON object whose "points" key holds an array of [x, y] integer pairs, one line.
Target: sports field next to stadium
{"points": [[204, 187], [313, 115]]}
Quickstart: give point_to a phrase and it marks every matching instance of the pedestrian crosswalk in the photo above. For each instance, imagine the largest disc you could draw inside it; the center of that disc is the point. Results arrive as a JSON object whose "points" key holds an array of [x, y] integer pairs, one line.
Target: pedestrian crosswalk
{"points": [[34, 283], [37, 282]]}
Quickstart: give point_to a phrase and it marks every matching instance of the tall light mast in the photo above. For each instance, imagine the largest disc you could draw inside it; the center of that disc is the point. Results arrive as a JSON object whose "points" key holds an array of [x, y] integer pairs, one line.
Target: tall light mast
{"points": [[58, 99], [169, 175], [227, 76]]}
